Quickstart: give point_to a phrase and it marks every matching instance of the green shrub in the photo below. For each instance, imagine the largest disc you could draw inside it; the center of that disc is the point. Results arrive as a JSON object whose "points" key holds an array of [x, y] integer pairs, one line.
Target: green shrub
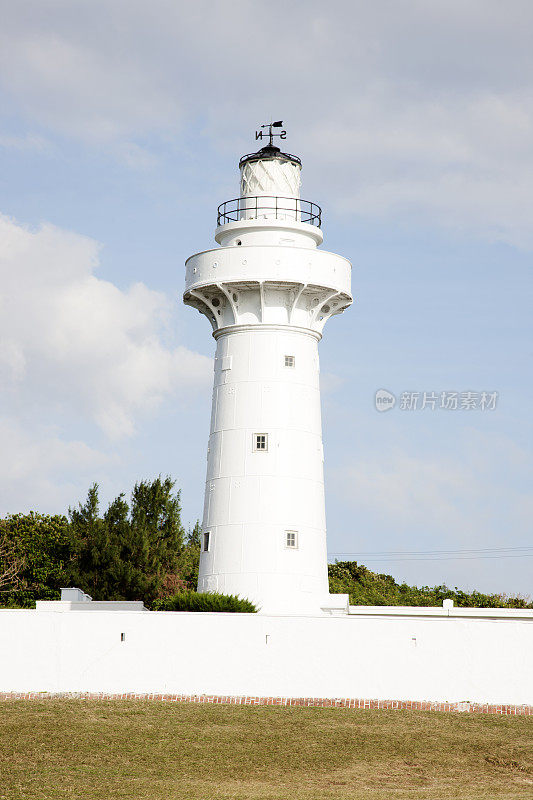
{"points": [[368, 588], [43, 545], [204, 601]]}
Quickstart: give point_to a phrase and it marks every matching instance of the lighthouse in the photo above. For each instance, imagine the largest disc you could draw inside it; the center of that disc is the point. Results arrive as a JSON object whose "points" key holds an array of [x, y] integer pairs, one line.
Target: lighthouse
{"points": [[268, 291]]}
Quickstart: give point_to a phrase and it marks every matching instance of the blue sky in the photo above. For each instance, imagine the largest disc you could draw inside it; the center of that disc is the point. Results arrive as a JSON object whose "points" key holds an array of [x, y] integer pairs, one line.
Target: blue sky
{"points": [[122, 125]]}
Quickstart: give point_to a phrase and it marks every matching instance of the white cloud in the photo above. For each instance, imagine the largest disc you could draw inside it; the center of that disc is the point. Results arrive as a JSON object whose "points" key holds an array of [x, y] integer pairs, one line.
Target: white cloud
{"points": [[415, 108], [39, 469], [465, 162], [407, 490], [76, 345], [478, 495], [28, 142], [330, 383], [78, 86], [401, 505], [422, 110]]}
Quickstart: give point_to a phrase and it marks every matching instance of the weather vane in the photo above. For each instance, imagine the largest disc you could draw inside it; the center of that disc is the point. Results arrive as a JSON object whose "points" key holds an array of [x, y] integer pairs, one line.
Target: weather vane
{"points": [[279, 124]]}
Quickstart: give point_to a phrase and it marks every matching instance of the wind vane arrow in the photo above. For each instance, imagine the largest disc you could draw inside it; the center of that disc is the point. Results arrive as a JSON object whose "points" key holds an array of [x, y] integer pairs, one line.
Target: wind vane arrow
{"points": [[270, 125]]}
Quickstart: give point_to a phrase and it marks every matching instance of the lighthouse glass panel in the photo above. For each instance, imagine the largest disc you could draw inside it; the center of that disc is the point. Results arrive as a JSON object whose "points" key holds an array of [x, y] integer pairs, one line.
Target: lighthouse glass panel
{"points": [[260, 442]]}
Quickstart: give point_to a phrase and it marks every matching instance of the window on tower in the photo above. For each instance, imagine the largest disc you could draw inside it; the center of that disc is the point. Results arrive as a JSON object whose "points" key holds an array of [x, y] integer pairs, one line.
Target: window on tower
{"points": [[291, 540], [206, 541], [289, 361], [261, 442]]}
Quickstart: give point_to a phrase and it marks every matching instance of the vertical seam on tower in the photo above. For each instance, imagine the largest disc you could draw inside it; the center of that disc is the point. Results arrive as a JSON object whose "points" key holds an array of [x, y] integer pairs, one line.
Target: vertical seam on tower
{"points": [[262, 300]]}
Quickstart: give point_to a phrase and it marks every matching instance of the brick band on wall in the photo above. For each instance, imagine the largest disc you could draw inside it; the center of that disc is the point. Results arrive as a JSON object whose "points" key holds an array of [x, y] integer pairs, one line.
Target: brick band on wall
{"points": [[292, 702]]}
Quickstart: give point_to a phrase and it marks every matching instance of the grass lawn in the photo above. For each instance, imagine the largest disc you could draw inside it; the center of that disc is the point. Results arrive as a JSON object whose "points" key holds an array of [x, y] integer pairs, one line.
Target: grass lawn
{"points": [[136, 750]]}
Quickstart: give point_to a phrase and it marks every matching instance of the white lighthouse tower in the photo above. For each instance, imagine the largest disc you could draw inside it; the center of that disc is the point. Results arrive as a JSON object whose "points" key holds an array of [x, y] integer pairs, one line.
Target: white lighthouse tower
{"points": [[267, 291]]}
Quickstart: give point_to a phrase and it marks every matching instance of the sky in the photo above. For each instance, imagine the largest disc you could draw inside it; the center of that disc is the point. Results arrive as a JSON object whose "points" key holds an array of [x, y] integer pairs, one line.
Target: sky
{"points": [[122, 123]]}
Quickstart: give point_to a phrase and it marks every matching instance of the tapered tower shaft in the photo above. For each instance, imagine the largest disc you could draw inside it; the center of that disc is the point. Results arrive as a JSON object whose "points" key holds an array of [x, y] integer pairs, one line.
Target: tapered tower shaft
{"points": [[267, 291]]}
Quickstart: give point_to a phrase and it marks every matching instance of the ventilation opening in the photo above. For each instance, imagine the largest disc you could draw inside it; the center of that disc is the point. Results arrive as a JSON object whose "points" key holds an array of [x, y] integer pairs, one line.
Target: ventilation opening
{"points": [[261, 442], [238, 241]]}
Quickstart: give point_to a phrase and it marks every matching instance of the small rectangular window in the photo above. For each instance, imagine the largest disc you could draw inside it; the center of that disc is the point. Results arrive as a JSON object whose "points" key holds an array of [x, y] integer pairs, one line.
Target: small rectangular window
{"points": [[261, 442], [291, 539], [289, 361], [206, 541]]}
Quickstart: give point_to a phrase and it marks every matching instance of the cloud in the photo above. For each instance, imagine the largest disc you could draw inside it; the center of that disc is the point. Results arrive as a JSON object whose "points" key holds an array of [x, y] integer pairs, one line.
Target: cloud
{"points": [[479, 494], [408, 491], [39, 469], [27, 142], [415, 108], [78, 346], [330, 383], [419, 110], [464, 162], [80, 86], [396, 507]]}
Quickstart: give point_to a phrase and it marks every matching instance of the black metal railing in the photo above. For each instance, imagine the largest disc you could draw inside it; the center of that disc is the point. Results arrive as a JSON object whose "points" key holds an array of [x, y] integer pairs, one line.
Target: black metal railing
{"points": [[270, 207], [269, 152]]}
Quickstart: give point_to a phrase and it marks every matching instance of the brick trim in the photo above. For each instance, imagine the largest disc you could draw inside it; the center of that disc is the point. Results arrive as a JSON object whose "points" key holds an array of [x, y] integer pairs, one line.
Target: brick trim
{"points": [[316, 702]]}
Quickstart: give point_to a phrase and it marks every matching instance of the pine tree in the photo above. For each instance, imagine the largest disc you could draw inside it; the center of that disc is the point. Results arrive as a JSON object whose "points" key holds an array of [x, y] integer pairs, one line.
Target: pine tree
{"points": [[155, 517], [127, 553], [189, 558], [96, 560]]}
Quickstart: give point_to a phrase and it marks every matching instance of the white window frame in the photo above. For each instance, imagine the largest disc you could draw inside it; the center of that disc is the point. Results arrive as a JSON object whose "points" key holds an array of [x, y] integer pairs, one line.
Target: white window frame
{"points": [[291, 361], [206, 544], [291, 546], [255, 443]]}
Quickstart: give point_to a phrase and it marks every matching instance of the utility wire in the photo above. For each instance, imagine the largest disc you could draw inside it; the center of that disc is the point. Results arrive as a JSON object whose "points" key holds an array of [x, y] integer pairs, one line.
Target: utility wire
{"points": [[438, 558], [441, 555], [435, 552]]}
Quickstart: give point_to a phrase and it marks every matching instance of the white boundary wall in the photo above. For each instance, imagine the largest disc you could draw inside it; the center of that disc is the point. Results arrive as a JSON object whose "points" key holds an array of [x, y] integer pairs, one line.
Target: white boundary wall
{"points": [[476, 655]]}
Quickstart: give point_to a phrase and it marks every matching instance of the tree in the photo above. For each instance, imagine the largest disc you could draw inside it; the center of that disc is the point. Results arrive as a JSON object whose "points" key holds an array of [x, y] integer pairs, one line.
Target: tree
{"points": [[156, 520], [186, 576], [38, 552], [370, 588], [97, 557], [128, 553], [11, 562]]}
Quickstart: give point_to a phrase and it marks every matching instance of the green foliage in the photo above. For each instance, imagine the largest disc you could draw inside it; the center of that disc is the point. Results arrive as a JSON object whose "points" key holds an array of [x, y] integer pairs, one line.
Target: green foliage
{"points": [[200, 601], [140, 551], [127, 553], [185, 578], [189, 558], [43, 545], [368, 588]]}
